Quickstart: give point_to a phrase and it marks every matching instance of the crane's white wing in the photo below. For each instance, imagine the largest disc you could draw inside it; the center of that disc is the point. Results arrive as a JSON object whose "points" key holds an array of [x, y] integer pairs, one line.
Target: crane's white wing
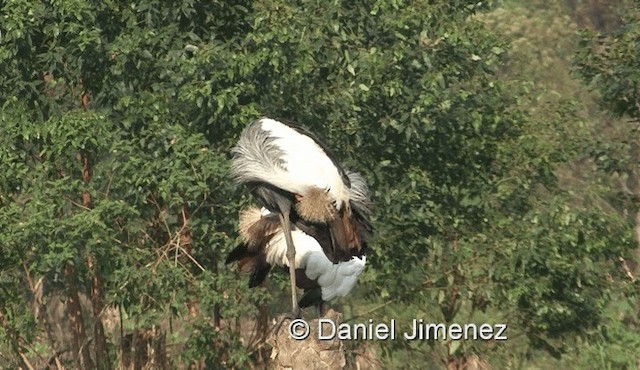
{"points": [[272, 152]]}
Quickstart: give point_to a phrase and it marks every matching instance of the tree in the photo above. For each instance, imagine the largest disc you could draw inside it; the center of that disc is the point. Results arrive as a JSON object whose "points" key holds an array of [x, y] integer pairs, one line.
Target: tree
{"points": [[118, 119], [608, 63]]}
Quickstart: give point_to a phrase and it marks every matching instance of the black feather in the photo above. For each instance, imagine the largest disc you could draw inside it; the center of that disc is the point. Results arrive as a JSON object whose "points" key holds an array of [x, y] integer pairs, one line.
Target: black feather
{"points": [[320, 232], [260, 270], [311, 297], [271, 197], [237, 253]]}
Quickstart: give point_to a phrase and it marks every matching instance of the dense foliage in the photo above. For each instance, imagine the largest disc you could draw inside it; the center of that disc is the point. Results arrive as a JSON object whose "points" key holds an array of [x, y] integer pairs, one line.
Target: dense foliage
{"points": [[117, 210]]}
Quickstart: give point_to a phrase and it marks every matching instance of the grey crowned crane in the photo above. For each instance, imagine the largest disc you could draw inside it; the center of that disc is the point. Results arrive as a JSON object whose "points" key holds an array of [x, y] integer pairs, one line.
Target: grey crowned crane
{"points": [[315, 217]]}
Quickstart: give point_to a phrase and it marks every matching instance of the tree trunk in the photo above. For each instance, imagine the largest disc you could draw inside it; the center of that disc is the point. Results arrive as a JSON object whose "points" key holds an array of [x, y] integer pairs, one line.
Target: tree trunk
{"points": [[79, 343], [14, 340], [308, 354], [262, 324], [144, 349], [102, 355], [636, 233]]}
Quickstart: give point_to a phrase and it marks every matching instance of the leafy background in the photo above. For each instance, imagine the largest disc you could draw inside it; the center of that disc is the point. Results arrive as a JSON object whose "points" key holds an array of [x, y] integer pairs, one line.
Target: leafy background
{"points": [[500, 141]]}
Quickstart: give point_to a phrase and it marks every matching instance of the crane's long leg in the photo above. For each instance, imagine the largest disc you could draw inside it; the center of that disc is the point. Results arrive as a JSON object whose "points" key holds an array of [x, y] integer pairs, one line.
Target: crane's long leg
{"points": [[291, 257]]}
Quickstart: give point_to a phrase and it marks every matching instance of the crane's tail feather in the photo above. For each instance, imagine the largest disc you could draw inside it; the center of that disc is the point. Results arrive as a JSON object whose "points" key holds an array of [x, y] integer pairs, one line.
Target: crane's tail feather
{"points": [[350, 228], [254, 264], [346, 240], [259, 272], [237, 254]]}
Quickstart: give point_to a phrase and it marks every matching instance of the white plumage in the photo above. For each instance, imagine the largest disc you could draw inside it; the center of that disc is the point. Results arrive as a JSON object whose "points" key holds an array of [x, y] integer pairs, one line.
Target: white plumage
{"points": [[276, 154], [335, 280]]}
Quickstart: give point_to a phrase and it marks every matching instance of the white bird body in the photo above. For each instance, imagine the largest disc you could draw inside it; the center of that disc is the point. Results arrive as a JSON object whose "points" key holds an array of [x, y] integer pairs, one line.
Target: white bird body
{"points": [[296, 162]]}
